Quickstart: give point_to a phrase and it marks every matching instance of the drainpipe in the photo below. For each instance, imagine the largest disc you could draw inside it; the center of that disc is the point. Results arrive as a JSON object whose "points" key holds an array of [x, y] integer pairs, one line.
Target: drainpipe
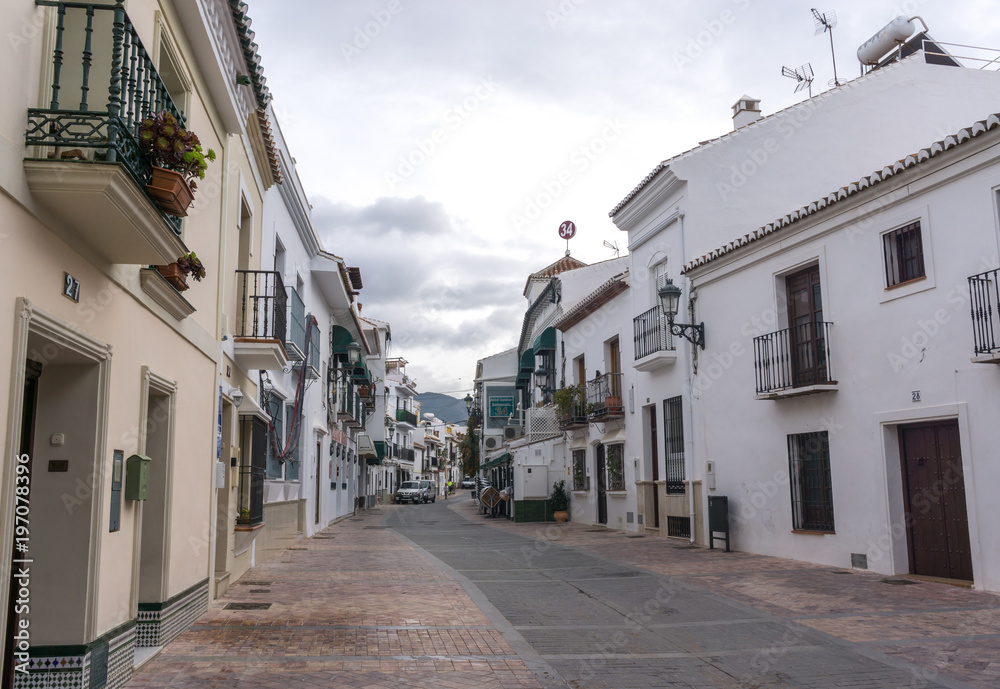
{"points": [[688, 413]]}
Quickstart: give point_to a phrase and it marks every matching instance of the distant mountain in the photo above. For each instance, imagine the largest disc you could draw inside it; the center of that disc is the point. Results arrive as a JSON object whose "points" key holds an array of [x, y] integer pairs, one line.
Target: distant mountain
{"points": [[445, 407]]}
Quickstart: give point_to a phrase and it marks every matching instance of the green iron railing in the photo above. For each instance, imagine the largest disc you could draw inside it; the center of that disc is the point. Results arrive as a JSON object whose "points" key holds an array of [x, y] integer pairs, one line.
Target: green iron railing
{"points": [[114, 64]]}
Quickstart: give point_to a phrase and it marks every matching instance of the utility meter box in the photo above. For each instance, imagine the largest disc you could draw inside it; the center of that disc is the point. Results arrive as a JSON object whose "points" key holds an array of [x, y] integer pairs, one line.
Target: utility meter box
{"points": [[137, 477]]}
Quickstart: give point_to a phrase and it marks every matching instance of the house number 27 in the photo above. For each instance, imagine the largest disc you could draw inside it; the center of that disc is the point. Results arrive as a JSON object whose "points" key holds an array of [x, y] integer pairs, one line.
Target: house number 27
{"points": [[71, 287]]}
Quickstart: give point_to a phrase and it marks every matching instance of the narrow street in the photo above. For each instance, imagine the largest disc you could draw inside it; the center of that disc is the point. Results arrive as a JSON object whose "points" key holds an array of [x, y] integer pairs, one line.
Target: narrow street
{"points": [[437, 596]]}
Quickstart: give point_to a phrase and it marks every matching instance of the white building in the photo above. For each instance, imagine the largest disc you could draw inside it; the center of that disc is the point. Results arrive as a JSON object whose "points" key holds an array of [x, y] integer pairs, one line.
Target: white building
{"points": [[859, 395], [696, 201]]}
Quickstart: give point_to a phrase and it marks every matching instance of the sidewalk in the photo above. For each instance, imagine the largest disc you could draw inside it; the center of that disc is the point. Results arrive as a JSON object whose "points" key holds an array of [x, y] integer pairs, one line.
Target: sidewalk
{"points": [[359, 606], [354, 606]]}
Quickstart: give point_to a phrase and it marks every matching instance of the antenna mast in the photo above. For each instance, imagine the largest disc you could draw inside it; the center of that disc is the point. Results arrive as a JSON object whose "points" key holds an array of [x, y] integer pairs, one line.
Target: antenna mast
{"points": [[826, 21]]}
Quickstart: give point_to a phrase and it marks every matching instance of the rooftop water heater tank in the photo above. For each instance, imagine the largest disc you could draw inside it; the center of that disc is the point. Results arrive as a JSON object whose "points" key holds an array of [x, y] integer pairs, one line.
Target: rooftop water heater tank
{"points": [[882, 43]]}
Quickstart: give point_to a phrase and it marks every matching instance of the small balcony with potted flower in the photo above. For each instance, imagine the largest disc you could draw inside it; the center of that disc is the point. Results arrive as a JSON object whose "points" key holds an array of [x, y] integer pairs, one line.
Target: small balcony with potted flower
{"points": [[604, 397], [106, 133], [571, 402]]}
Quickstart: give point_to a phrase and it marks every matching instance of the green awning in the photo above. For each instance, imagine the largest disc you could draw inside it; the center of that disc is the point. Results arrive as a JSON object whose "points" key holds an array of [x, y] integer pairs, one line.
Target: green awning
{"points": [[546, 342], [361, 374], [497, 460], [381, 448], [528, 361]]}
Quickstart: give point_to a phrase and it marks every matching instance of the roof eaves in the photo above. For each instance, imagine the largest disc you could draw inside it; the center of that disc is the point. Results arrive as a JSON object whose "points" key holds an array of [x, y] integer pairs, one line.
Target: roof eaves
{"points": [[877, 177]]}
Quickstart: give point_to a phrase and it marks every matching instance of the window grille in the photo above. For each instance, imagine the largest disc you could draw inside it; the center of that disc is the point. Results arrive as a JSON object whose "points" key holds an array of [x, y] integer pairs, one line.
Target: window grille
{"points": [[616, 467], [904, 254], [812, 492], [673, 423], [580, 479]]}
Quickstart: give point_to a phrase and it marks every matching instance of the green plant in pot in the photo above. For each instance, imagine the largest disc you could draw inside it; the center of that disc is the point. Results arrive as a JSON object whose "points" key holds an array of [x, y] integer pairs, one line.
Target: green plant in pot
{"points": [[178, 161], [568, 400], [176, 273], [559, 501]]}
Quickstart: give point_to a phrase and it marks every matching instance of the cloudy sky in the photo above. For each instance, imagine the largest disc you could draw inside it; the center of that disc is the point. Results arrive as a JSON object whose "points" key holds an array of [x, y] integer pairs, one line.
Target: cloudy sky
{"points": [[442, 142]]}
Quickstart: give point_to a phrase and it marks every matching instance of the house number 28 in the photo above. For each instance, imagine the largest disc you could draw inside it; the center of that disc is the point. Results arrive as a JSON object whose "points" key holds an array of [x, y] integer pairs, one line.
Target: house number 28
{"points": [[71, 287]]}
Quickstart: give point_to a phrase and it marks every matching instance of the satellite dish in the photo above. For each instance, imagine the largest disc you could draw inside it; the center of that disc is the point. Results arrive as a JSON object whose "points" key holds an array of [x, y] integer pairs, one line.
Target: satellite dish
{"points": [[826, 21], [803, 75]]}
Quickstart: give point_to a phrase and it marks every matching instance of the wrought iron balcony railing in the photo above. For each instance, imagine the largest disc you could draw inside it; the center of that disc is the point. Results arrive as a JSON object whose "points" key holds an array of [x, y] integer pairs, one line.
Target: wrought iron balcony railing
{"points": [[314, 345], [793, 358], [575, 414], [262, 305], [604, 396], [651, 333], [984, 292], [406, 416], [98, 56]]}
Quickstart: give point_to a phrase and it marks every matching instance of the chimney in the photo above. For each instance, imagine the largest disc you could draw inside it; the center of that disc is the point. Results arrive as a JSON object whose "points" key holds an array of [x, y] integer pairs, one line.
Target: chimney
{"points": [[745, 111]]}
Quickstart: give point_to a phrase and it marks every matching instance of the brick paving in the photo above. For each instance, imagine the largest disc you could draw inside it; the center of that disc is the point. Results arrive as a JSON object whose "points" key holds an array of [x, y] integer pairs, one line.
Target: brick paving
{"points": [[437, 596]]}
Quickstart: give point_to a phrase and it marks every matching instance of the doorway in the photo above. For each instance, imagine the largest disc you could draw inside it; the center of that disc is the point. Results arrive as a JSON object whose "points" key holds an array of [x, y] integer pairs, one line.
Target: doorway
{"points": [[937, 533], [805, 327], [154, 510], [602, 486], [655, 460], [319, 456]]}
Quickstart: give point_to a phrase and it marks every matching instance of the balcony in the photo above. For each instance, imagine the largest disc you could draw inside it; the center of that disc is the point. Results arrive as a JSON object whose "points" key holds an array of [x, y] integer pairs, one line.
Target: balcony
{"points": [[405, 416], [654, 343], [794, 361], [349, 406], [295, 345], [572, 405], [86, 167], [604, 397], [985, 295], [260, 333]]}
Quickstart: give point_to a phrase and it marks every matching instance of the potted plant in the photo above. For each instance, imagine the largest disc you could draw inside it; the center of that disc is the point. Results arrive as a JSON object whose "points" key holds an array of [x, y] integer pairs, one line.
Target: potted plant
{"points": [[177, 159], [176, 273], [559, 501]]}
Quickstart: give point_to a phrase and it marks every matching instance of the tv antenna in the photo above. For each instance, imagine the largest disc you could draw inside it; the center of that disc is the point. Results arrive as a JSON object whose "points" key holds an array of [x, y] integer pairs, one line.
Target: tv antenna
{"points": [[803, 75], [613, 247], [826, 21]]}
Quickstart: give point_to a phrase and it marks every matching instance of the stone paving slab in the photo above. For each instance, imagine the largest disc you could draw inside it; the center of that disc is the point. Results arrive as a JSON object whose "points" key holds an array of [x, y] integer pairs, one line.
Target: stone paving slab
{"points": [[939, 634]]}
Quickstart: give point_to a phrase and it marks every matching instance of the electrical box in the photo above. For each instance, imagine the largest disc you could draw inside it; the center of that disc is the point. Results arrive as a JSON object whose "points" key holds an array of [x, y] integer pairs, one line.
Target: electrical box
{"points": [[535, 482], [137, 477], [220, 474]]}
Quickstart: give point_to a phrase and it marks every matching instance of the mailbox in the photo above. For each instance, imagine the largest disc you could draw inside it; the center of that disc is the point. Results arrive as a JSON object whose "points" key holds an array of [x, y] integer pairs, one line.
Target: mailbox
{"points": [[137, 477]]}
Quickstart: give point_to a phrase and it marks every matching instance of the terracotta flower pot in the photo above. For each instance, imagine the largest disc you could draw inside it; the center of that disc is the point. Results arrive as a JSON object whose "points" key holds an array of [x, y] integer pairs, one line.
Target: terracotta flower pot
{"points": [[170, 192], [174, 275], [561, 516]]}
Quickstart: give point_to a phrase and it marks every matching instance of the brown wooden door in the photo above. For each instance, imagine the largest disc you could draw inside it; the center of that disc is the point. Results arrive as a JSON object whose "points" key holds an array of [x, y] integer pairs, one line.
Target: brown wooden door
{"points": [[934, 491], [806, 334], [615, 354]]}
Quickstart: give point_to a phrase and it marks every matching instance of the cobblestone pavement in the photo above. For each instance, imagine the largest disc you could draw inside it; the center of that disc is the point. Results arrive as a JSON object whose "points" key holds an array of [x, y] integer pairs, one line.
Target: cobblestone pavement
{"points": [[436, 596]]}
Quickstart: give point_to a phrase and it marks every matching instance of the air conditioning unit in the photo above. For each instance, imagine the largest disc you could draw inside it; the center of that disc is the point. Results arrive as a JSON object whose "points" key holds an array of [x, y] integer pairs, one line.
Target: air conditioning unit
{"points": [[491, 443], [511, 432]]}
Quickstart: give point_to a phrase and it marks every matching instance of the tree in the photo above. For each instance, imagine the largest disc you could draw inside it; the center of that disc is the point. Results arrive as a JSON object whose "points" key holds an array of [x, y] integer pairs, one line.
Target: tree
{"points": [[469, 448]]}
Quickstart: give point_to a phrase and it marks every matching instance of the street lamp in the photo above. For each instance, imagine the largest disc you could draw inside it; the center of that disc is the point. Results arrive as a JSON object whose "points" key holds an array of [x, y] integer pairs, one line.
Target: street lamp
{"points": [[468, 403], [353, 353], [670, 296]]}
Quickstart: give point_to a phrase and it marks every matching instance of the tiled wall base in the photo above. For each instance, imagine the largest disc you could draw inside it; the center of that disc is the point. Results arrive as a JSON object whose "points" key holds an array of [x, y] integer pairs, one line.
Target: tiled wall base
{"points": [[158, 627], [107, 662]]}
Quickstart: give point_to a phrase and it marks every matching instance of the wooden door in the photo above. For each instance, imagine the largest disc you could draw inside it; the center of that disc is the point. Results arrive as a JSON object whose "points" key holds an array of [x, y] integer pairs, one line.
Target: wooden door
{"points": [[602, 486], [615, 355], [937, 533], [806, 336]]}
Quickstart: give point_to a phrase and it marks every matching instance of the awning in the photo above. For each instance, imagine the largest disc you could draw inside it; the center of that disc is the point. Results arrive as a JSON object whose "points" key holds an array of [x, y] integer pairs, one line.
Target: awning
{"points": [[614, 436], [527, 367], [546, 342], [579, 442], [497, 460]]}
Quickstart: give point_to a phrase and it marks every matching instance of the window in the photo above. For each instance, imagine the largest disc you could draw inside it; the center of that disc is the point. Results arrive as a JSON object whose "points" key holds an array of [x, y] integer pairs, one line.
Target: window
{"points": [[659, 279], [809, 471], [673, 426], [273, 440], [292, 463], [580, 479], [904, 254], [616, 467]]}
